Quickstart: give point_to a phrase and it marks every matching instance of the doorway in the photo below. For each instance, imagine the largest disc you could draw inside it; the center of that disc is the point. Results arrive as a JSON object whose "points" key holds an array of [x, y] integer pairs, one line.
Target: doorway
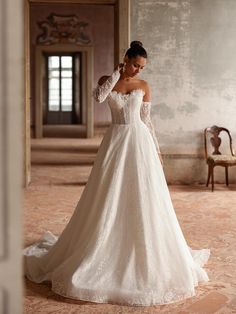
{"points": [[121, 43], [63, 89]]}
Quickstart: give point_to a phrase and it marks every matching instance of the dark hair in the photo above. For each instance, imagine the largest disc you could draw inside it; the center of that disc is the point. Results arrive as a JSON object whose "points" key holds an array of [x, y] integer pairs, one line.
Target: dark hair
{"points": [[136, 49]]}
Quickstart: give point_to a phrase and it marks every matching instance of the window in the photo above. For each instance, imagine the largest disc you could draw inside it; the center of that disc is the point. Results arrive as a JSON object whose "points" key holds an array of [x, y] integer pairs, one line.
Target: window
{"points": [[60, 83]]}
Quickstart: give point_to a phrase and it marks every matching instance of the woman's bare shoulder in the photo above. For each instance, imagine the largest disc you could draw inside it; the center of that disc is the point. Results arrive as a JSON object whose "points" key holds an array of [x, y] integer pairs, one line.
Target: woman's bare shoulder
{"points": [[144, 85], [146, 88]]}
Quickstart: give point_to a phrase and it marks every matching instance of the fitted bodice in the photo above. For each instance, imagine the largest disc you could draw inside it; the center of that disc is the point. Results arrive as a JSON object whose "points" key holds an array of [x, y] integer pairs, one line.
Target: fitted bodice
{"points": [[125, 108]]}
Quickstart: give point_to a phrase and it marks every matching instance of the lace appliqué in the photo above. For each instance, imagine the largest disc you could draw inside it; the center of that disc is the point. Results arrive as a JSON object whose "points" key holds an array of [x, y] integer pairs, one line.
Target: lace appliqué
{"points": [[152, 297], [146, 118], [100, 92]]}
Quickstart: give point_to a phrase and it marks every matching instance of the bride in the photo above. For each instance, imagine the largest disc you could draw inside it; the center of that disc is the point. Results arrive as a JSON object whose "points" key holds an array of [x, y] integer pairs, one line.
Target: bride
{"points": [[123, 243]]}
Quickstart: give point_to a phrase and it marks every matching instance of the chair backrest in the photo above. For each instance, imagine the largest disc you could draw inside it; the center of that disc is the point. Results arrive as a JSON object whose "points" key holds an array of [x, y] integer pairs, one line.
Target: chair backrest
{"points": [[216, 140]]}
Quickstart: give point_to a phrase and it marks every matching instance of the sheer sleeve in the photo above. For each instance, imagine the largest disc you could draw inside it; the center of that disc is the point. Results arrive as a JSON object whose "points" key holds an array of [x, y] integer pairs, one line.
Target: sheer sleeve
{"points": [[146, 118], [100, 92]]}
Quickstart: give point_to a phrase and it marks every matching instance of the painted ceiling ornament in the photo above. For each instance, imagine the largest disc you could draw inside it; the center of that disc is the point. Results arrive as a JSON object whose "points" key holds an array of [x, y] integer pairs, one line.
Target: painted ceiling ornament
{"points": [[62, 29]]}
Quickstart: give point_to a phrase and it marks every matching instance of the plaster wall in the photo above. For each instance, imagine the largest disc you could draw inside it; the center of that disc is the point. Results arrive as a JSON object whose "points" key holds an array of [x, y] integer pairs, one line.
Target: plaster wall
{"points": [[191, 70]]}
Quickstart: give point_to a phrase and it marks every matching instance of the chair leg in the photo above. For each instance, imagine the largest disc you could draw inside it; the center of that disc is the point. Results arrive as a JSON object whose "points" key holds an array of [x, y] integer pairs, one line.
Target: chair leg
{"points": [[226, 176], [209, 175], [212, 179]]}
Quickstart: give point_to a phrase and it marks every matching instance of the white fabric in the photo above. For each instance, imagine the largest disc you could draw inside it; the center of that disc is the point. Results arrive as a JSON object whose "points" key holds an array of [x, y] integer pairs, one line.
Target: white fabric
{"points": [[123, 243], [101, 92], [145, 114]]}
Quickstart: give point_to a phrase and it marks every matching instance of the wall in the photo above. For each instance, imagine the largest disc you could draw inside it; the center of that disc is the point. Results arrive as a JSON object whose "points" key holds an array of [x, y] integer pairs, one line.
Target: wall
{"points": [[101, 31], [191, 70], [11, 154]]}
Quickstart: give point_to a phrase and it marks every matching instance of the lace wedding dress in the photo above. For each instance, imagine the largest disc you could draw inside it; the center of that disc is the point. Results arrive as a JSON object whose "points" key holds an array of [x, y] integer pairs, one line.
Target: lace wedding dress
{"points": [[123, 243]]}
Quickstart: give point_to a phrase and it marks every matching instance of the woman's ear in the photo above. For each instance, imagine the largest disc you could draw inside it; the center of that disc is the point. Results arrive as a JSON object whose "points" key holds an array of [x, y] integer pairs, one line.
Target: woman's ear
{"points": [[125, 59]]}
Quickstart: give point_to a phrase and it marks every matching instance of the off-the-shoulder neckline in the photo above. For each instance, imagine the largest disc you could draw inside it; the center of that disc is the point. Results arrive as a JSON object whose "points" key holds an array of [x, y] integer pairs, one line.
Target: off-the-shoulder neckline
{"points": [[131, 92]]}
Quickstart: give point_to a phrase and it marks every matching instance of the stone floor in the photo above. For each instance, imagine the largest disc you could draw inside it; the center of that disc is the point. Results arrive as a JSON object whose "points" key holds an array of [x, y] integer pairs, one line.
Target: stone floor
{"points": [[207, 220]]}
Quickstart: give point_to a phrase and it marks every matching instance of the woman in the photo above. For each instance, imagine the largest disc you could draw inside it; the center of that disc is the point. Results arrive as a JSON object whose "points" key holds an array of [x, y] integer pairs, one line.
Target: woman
{"points": [[123, 243]]}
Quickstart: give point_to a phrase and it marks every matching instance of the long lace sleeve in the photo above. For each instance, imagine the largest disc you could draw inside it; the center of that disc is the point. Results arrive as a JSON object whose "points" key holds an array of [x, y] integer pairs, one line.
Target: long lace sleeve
{"points": [[146, 118], [100, 92]]}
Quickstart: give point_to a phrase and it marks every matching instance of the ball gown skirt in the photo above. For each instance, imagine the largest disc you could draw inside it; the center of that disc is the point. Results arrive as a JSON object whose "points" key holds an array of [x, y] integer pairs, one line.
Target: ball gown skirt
{"points": [[123, 243]]}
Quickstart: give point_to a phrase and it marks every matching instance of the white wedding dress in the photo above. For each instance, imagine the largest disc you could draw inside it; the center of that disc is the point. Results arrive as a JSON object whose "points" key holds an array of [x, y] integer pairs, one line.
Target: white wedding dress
{"points": [[123, 243]]}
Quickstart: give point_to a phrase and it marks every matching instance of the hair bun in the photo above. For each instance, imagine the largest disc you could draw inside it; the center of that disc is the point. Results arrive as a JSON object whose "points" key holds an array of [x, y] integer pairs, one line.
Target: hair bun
{"points": [[136, 43]]}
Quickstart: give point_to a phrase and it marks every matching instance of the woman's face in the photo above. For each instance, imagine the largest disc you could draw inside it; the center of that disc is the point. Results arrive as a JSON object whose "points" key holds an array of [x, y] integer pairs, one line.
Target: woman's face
{"points": [[134, 65]]}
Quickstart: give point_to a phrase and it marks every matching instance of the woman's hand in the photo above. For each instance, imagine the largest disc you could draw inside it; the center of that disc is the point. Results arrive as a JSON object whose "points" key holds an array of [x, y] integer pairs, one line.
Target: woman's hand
{"points": [[119, 66]]}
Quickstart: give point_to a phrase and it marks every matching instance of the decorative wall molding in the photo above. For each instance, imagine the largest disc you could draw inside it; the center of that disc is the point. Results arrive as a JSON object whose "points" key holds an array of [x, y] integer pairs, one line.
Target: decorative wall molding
{"points": [[3, 136], [27, 97], [183, 156], [123, 28], [75, 1], [62, 29]]}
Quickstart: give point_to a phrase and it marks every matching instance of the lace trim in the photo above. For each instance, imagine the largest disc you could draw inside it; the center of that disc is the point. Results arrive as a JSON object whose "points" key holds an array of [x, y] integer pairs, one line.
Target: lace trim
{"points": [[128, 94], [118, 297], [146, 118], [100, 92]]}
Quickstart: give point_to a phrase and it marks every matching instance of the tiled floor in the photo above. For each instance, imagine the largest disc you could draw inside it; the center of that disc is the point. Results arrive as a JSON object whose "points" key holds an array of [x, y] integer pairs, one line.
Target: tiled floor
{"points": [[207, 220]]}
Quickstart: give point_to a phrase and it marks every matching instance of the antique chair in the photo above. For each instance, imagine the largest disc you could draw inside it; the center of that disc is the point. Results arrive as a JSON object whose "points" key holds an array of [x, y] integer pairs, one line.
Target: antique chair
{"points": [[216, 158]]}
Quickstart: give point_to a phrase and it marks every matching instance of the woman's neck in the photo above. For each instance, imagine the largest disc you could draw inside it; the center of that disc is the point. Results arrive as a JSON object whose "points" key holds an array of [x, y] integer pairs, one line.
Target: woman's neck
{"points": [[124, 76]]}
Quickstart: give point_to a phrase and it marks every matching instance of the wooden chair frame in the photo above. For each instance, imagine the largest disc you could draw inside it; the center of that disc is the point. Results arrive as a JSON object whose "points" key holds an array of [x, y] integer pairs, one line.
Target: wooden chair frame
{"points": [[216, 142]]}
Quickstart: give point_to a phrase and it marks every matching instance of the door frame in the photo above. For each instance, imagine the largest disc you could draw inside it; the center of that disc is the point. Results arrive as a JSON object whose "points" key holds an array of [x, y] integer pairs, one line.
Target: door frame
{"points": [[121, 43], [87, 85]]}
